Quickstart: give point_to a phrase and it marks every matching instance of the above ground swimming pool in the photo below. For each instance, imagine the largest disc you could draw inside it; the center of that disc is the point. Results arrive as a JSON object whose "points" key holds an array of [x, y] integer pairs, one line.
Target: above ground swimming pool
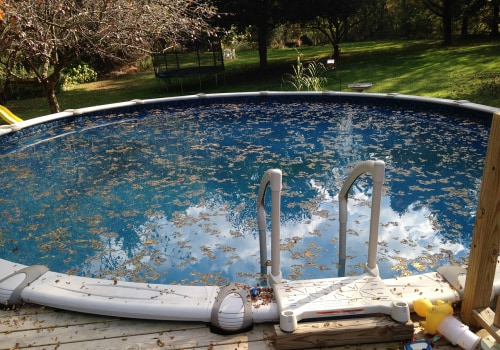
{"points": [[164, 191]]}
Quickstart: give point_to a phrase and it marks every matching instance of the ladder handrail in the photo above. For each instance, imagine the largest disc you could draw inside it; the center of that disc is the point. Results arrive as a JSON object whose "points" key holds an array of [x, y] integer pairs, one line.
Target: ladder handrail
{"points": [[377, 170], [272, 177]]}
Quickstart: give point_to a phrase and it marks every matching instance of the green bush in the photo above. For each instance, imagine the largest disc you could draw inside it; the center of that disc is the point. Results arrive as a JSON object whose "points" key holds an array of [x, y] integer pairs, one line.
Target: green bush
{"points": [[80, 74], [310, 77]]}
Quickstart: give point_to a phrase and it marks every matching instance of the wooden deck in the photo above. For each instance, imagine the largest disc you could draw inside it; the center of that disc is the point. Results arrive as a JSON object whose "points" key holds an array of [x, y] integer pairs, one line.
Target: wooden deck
{"points": [[36, 327]]}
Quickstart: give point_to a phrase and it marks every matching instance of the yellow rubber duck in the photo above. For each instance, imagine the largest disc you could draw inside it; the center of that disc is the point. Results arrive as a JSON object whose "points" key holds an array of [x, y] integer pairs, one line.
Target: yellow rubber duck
{"points": [[433, 314]]}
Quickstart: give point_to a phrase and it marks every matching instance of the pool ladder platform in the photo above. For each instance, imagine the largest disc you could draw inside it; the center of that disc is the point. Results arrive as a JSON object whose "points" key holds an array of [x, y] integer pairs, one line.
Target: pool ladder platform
{"points": [[330, 297]]}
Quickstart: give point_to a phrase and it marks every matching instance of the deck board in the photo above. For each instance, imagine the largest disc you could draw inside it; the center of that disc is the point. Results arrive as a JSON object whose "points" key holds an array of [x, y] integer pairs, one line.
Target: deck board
{"points": [[35, 327]]}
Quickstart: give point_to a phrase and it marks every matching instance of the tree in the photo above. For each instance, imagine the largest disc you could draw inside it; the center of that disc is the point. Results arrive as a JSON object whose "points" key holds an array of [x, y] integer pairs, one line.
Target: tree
{"points": [[468, 10], [409, 19], [332, 18], [494, 22], [47, 36], [443, 9], [450, 10], [262, 14]]}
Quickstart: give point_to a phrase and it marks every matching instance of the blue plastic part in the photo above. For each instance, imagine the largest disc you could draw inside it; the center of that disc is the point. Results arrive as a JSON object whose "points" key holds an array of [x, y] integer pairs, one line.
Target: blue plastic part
{"points": [[418, 345]]}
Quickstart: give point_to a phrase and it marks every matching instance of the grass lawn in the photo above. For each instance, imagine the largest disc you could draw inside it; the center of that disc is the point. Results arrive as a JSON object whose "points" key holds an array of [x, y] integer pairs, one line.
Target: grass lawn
{"points": [[468, 71]]}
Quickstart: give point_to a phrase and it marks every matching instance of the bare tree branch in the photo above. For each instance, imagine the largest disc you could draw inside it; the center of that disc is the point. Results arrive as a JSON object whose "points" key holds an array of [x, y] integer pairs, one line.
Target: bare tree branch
{"points": [[54, 34]]}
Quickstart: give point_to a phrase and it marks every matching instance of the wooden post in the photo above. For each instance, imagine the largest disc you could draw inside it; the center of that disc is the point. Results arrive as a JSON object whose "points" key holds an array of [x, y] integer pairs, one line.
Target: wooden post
{"points": [[486, 238], [496, 320]]}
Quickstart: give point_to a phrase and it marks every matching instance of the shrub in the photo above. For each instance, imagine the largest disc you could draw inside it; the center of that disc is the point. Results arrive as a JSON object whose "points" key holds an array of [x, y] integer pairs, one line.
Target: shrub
{"points": [[310, 77], [80, 74]]}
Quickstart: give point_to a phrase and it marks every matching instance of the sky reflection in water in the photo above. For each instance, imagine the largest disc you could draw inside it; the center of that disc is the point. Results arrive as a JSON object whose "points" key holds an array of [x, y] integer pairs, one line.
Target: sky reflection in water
{"points": [[169, 197]]}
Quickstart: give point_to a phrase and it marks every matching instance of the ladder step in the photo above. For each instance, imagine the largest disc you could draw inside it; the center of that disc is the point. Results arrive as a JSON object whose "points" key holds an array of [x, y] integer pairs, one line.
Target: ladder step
{"points": [[366, 330], [334, 297]]}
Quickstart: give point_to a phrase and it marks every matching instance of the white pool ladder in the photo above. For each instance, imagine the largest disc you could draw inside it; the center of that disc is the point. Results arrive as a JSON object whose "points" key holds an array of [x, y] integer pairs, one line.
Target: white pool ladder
{"points": [[330, 297], [271, 177], [377, 169]]}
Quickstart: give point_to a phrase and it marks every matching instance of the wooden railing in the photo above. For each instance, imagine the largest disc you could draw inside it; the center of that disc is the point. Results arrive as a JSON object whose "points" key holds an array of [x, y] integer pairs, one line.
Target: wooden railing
{"points": [[485, 244]]}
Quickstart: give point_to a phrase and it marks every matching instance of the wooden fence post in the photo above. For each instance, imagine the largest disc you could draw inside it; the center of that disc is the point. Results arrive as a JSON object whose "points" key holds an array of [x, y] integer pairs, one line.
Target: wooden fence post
{"points": [[486, 238]]}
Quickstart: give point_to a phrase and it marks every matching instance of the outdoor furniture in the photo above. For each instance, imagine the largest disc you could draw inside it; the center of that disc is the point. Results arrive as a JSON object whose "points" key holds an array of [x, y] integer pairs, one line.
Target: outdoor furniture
{"points": [[330, 63], [229, 54], [359, 87]]}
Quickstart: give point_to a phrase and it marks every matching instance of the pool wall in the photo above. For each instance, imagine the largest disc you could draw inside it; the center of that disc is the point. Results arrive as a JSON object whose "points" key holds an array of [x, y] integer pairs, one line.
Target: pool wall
{"points": [[453, 108]]}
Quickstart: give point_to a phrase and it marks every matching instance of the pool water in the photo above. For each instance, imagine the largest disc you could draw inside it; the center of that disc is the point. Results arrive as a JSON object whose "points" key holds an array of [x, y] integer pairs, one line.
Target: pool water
{"points": [[168, 194]]}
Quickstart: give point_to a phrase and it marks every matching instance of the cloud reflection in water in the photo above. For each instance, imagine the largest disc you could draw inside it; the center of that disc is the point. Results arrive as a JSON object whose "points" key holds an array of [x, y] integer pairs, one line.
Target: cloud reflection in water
{"points": [[170, 196]]}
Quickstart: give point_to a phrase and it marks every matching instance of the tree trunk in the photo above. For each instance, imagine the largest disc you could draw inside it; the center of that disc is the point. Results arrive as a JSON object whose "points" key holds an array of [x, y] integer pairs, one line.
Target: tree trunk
{"points": [[448, 21], [50, 85], [48, 82], [50, 94], [495, 20], [465, 26], [336, 51], [262, 32], [262, 41], [443, 9]]}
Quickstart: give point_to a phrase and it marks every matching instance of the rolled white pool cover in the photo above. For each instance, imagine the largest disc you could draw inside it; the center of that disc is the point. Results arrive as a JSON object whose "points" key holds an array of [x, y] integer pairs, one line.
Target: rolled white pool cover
{"points": [[230, 308]]}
